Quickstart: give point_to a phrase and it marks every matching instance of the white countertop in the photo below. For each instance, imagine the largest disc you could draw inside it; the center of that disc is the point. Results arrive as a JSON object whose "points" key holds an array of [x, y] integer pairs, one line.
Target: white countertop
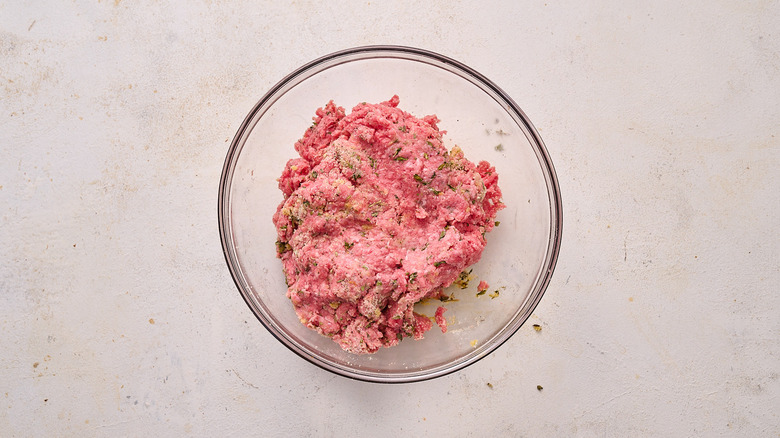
{"points": [[118, 316]]}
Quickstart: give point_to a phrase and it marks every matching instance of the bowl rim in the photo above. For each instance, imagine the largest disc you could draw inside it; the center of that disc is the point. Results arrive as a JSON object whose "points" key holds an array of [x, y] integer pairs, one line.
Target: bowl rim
{"points": [[385, 51]]}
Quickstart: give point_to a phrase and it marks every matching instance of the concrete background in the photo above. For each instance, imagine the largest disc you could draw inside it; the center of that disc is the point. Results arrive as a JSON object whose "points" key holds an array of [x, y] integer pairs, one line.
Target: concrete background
{"points": [[117, 313]]}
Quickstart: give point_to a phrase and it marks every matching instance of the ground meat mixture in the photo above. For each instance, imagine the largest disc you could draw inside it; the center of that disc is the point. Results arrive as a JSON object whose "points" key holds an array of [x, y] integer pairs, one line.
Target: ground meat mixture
{"points": [[377, 216]]}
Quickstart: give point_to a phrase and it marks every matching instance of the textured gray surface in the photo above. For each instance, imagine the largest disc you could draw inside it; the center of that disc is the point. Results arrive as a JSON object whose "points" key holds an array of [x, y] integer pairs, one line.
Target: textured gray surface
{"points": [[118, 316]]}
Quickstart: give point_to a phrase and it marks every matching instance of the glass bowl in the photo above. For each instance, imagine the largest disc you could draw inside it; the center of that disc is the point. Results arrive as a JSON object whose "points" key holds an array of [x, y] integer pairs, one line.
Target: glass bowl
{"points": [[521, 252]]}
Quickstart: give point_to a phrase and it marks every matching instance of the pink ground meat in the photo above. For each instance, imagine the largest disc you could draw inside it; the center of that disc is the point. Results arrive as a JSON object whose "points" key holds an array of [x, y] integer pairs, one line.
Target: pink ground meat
{"points": [[439, 317], [378, 215]]}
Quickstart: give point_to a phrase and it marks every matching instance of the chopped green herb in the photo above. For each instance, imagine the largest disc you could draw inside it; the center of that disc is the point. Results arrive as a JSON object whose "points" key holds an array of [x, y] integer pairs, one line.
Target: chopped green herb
{"points": [[494, 294], [397, 157], [411, 277], [463, 279], [349, 245], [439, 263], [447, 298], [418, 178], [482, 292], [499, 147], [282, 247], [497, 223]]}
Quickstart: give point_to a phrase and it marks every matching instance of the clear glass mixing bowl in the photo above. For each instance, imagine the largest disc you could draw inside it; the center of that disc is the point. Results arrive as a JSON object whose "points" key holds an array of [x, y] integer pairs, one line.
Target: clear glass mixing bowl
{"points": [[480, 118]]}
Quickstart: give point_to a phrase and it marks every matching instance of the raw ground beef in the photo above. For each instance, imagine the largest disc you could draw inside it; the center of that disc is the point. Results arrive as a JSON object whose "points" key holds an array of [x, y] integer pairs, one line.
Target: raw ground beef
{"points": [[378, 215]]}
